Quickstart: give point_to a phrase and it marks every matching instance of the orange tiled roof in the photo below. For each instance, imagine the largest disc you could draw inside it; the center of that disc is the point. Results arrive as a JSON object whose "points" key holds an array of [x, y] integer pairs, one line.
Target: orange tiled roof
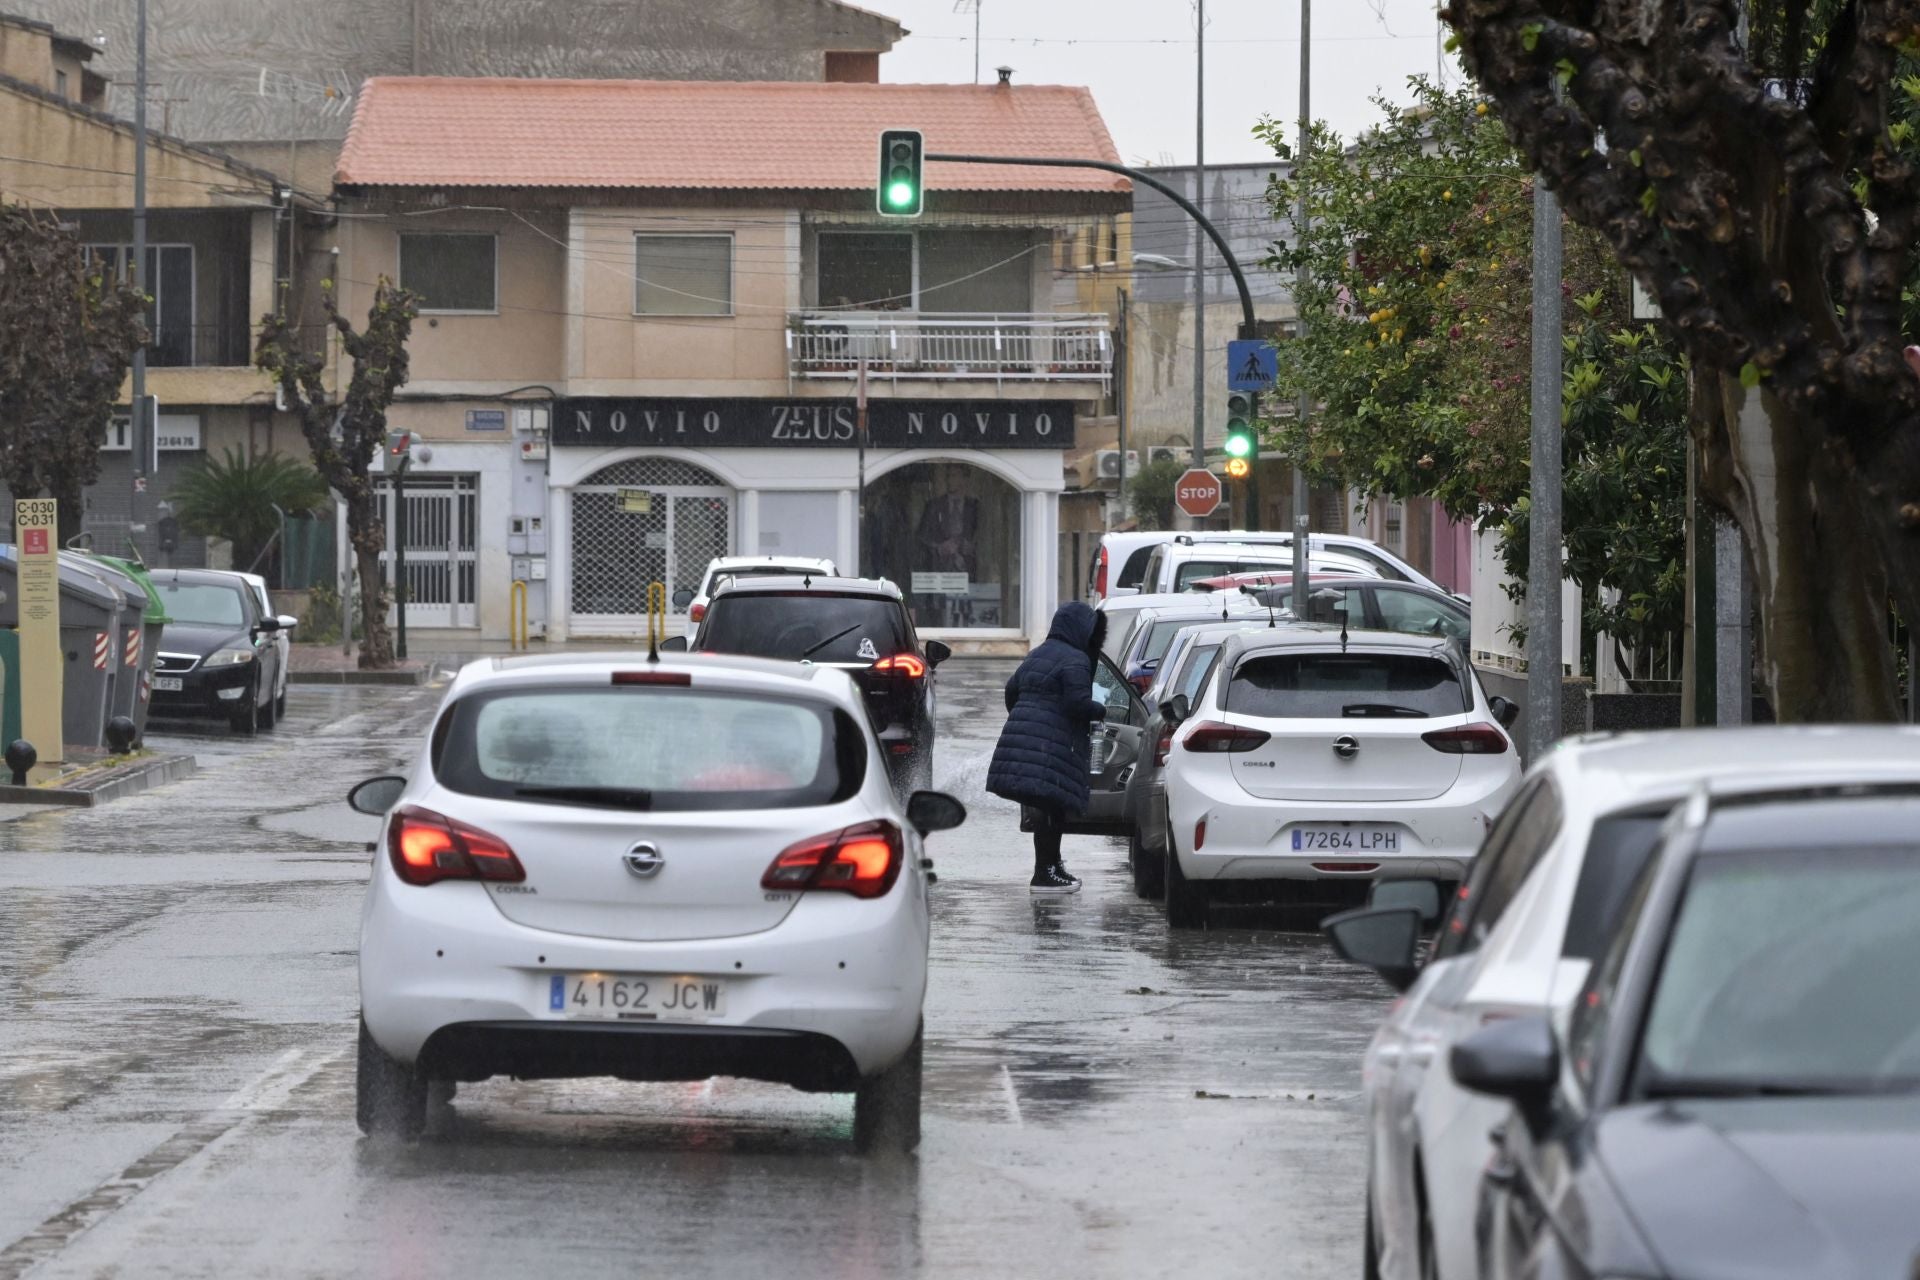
{"points": [[432, 131]]}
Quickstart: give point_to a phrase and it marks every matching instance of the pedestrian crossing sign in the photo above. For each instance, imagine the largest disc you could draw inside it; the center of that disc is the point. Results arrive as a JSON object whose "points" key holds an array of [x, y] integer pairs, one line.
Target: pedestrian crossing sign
{"points": [[1252, 364]]}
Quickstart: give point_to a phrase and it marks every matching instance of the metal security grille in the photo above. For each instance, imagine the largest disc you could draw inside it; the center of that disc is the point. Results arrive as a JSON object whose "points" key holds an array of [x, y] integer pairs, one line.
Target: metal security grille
{"points": [[441, 549], [638, 522]]}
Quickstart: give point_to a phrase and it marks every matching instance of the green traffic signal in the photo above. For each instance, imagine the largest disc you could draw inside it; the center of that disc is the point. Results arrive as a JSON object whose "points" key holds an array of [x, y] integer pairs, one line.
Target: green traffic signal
{"points": [[1240, 441], [898, 191]]}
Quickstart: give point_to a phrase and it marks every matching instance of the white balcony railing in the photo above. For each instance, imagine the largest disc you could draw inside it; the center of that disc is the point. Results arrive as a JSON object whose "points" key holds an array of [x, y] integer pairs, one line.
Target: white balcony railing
{"points": [[902, 345]]}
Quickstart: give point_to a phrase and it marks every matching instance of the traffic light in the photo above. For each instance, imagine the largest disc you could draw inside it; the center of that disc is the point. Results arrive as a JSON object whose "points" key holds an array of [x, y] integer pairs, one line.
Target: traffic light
{"points": [[1241, 447], [898, 193]]}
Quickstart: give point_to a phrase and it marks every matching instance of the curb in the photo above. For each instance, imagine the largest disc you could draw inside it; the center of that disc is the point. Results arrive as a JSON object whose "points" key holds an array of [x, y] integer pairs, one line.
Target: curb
{"points": [[106, 785], [418, 676]]}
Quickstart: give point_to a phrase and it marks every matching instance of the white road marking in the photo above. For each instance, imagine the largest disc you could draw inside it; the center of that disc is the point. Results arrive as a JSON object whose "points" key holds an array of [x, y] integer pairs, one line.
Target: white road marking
{"points": [[1012, 1095]]}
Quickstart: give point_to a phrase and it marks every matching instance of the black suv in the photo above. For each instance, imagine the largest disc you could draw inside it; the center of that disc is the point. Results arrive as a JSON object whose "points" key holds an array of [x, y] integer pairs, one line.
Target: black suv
{"points": [[860, 625]]}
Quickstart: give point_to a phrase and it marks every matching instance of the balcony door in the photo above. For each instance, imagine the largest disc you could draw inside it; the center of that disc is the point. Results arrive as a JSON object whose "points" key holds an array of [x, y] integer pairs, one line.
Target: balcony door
{"points": [[170, 282]]}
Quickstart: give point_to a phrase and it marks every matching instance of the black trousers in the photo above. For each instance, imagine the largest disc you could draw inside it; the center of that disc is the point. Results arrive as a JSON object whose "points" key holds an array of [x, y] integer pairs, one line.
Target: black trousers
{"points": [[1046, 838]]}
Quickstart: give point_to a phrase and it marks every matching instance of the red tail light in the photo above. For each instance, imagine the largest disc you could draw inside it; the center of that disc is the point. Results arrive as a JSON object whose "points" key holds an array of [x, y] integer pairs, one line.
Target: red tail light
{"points": [[1213, 737], [1199, 835], [910, 665], [427, 847], [1467, 740], [679, 679], [863, 861], [1162, 748], [697, 613], [1100, 576]]}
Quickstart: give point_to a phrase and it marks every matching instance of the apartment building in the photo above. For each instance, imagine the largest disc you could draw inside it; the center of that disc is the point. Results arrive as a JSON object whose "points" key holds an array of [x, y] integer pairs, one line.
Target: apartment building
{"points": [[649, 309]]}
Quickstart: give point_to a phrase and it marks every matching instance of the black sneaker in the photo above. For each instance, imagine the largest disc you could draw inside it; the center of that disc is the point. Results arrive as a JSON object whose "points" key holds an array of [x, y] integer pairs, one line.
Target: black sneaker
{"points": [[1055, 879]]}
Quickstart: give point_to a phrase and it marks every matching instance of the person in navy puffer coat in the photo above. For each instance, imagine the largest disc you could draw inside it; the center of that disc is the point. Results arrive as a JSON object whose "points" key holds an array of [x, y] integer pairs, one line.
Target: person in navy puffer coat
{"points": [[1041, 760]]}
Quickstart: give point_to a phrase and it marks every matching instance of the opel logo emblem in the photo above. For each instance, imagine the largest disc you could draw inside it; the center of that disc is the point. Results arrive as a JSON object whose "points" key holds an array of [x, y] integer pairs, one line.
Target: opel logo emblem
{"points": [[1346, 747], [644, 860]]}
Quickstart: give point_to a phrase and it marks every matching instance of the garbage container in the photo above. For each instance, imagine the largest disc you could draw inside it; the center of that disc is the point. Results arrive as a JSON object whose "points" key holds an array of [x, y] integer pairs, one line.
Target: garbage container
{"points": [[137, 644], [91, 616]]}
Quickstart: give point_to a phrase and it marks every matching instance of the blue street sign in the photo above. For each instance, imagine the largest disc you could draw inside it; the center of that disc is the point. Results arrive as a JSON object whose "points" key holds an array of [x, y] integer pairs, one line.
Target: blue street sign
{"points": [[1252, 364]]}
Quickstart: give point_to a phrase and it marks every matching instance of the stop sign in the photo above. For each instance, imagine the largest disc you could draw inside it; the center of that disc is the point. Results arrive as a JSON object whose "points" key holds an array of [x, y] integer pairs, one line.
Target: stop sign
{"points": [[1197, 492]]}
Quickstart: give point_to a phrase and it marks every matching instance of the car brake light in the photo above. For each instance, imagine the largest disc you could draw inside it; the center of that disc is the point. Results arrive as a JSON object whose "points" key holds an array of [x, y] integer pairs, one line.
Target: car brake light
{"points": [[862, 860], [1467, 740], [427, 847], [697, 613], [1163, 747], [910, 665], [679, 679], [1199, 834], [1100, 576], [1214, 737]]}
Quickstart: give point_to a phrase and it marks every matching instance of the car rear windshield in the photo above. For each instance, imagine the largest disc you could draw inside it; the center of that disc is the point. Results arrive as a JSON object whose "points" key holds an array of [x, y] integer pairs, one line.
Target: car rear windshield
{"points": [[814, 625], [1135, 570], [203, 605], [1345, 685], [650, 749]]}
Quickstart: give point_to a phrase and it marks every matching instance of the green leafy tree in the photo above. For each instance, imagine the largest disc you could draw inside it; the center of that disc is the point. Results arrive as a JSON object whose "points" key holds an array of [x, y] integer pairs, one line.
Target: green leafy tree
{"points": [[244, 499], [1753, 164], [68, 332], [1150, 493], [346, 432], [1418, 354]]}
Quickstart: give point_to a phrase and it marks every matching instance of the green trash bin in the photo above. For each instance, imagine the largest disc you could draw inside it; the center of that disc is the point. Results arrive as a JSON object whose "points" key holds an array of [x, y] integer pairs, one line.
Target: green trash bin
{"points": [[135, 658], [9, 686]]}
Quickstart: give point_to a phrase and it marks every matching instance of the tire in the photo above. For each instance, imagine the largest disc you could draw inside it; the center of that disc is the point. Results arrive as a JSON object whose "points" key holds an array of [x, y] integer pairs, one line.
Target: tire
{"points": [[269, 714], [1186, 901], [280, 706], [389, 1099], [1149, 872], [1369, 1253], [246, 722], [886, 1107]]}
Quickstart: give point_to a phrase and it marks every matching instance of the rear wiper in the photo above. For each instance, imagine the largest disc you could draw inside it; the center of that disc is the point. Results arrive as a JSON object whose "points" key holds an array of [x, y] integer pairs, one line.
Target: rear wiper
{"points": [[615, 797], [812, 649], [1381, 709]]}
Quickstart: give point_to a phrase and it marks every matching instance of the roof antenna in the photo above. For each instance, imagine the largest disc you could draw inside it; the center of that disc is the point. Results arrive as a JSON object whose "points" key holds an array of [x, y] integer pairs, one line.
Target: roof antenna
{"points": [[1343, 631], [1272, 618]]}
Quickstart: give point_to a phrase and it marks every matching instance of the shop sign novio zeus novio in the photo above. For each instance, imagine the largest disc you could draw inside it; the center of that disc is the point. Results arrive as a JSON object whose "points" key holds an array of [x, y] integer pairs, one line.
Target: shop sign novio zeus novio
{"points": [[804, 424]]}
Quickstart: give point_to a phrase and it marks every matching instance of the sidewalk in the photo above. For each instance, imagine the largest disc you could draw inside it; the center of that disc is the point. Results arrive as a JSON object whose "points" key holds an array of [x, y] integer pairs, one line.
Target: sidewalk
{"points": [[327, 664]]}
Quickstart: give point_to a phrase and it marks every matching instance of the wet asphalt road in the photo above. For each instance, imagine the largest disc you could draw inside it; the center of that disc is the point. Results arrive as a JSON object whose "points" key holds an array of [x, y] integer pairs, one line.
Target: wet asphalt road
{"points": [[176, 1073]]}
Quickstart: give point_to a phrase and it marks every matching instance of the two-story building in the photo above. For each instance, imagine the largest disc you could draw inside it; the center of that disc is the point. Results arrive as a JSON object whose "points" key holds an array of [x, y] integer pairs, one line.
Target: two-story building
{"points": [[218, 239], [648, 309]]}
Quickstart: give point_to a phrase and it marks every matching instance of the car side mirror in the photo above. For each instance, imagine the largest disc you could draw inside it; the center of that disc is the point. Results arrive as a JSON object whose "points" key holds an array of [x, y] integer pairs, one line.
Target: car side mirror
{"points": [[931, 811], [1179, 707], [376, 795], [1422, 895], [1505, 710], [1382, 939], [674, 644], [1515, 1058], [287, 622], [937, 652], [682, 598], [267, 625]]}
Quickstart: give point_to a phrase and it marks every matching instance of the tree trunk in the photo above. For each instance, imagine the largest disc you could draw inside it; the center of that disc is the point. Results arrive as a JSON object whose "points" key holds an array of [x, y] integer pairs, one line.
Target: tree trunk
{"points": [[73, 512], [1825, 640], [364, 532]]}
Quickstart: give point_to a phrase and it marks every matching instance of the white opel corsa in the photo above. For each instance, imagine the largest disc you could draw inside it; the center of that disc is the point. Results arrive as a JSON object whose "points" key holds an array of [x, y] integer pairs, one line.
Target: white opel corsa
{"points": [[655, 870], [1318, 754]]}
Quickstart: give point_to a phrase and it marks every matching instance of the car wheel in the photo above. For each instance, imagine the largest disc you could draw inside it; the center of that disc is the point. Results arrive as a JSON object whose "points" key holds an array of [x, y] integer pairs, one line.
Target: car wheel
{"points": [[246, 721], [1149, 872], [269, 714], [886, 1107], [280, 706], [390, 1099], [1186, 901]]}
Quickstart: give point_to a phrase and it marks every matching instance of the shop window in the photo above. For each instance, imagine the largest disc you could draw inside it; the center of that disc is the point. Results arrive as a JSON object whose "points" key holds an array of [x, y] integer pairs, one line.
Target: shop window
{"points": [[948, 534], [456, 272], [683, 275]]}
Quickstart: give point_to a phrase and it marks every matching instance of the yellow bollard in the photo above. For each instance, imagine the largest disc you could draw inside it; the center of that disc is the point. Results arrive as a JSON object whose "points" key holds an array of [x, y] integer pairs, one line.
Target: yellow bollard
{"points": [[656, 615], [517, 625]]}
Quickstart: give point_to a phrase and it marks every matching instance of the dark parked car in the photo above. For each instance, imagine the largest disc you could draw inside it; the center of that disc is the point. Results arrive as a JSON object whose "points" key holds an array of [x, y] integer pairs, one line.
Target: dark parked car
{"points": [[217, 654], [1738, 1092], [860, 625]]}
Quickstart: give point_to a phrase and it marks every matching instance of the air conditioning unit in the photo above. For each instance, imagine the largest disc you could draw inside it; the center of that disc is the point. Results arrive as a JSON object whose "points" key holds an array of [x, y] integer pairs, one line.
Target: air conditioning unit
{"points": [[1163, 453], [1106, 463]]}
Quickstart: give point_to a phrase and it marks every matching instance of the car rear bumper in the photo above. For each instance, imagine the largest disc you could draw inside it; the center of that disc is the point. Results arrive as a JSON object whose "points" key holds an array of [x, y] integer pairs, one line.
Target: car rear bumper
{"points": [[1249, 839], [806, 1060], [837, 968]]}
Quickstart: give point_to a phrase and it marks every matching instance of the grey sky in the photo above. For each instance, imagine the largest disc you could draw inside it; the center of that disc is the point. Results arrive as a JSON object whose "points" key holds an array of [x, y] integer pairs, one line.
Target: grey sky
{"points": [[1146, 90]]}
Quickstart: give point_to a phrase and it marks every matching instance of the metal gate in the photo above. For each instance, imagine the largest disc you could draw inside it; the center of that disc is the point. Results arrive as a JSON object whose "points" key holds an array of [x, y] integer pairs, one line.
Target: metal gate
{"points": [[438, 525], [637, 522]]}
